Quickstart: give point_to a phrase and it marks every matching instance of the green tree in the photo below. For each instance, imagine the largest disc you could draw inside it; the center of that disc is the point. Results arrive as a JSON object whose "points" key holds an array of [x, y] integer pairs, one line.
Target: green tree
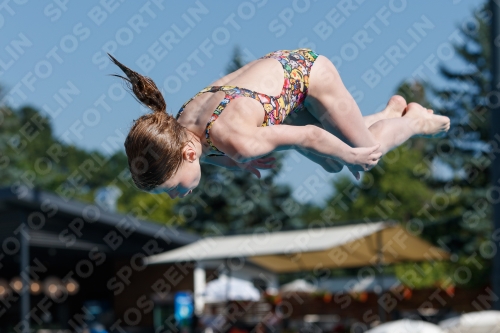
{"points": [[236, 62], [467, 152], [441, 184], [31, 156], [464, 223], [393, 190]]}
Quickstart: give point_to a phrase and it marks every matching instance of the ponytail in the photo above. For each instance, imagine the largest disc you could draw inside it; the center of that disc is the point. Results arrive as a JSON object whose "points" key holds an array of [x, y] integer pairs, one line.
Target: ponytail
{"points": [[155, 141], [144, 89]]}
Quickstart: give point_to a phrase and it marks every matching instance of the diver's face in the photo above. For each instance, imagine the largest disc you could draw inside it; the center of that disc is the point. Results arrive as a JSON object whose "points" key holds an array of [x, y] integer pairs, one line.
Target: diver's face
{"points": [[186, 178], [183, 182]]}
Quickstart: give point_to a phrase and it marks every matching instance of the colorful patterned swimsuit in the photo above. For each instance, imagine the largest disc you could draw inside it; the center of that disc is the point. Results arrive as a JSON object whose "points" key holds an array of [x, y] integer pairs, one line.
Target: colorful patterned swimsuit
{"points": [[297, 66]]}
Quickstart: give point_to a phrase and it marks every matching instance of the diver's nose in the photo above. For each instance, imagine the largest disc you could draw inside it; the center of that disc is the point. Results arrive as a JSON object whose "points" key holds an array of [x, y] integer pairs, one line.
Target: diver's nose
{"points": [[188, 192]]}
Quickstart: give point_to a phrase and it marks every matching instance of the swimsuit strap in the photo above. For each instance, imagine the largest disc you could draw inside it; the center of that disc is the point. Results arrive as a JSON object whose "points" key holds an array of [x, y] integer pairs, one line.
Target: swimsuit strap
{"points": [[184, 105], [296, 67], [232, 92]]}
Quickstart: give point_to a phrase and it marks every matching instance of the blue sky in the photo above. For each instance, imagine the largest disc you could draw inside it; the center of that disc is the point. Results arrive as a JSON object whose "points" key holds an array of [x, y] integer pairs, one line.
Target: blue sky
{"points": [[52, 55]]}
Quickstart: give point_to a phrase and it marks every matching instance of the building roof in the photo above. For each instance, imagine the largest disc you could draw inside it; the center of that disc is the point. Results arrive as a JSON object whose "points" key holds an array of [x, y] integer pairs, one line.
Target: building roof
{"points": [[300, 250], [16, 201]]}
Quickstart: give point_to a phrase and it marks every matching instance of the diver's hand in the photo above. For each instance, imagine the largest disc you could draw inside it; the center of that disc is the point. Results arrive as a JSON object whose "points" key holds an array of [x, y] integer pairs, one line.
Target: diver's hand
{"points": [[253, 166], [362, 159]]}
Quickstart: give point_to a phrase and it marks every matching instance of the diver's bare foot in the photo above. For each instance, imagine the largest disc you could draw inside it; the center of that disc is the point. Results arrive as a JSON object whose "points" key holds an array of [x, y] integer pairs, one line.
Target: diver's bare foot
{"points": [[427, 124], [395, 107]]}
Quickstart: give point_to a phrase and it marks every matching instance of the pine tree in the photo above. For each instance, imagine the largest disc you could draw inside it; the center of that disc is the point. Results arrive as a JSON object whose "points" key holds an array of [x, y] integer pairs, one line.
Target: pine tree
{"points": [[440, 184], [236, 62], [466, 152]]}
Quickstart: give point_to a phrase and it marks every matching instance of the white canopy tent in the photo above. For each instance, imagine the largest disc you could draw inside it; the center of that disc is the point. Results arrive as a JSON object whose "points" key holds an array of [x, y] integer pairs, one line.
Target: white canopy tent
{"points": [[406, 326], [302, 250], [353, 245], [299, 285], [473, 322], [230, 289]]}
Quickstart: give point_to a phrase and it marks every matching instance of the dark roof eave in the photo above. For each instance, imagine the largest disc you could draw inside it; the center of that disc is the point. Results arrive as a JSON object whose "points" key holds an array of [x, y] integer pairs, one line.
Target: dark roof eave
{"points": [[34, 198]]}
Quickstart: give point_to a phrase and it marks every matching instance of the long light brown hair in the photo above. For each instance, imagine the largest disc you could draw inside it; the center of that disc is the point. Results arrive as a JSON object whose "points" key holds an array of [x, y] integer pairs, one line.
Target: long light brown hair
{"points": [[155, 141]]}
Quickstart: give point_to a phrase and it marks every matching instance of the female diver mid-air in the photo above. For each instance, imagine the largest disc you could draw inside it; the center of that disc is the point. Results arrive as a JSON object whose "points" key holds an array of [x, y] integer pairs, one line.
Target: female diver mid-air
{"points": [[232, 123]]}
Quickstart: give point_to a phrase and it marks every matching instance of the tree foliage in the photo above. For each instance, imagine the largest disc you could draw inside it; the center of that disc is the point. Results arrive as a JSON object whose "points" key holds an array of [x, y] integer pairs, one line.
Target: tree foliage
{"points": [[441, 184], [31, 156]]}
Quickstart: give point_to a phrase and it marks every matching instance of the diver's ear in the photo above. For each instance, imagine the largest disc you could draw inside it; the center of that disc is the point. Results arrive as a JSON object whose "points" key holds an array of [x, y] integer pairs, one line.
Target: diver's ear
{"points": [[189, 154]]}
